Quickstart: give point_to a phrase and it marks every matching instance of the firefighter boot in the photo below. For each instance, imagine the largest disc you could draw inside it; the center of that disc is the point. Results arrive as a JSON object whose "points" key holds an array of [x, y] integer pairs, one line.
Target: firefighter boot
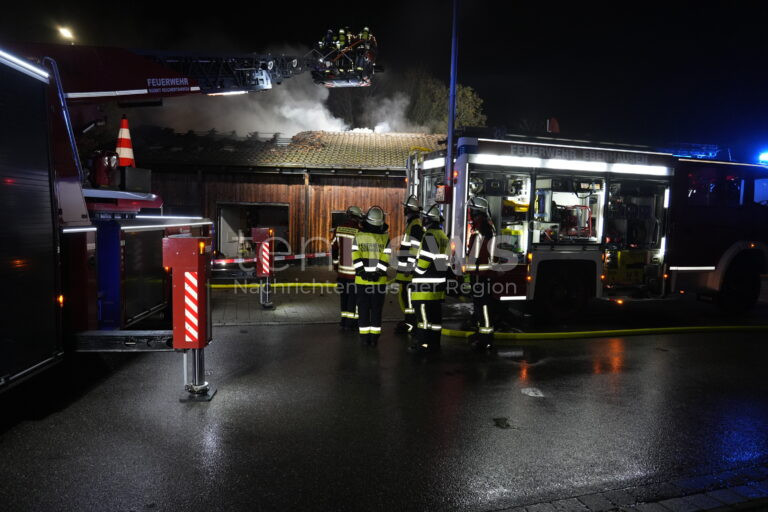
{"points": [[402, 327], [434, 342], [481, 342], [419, 343], [373, 340]]}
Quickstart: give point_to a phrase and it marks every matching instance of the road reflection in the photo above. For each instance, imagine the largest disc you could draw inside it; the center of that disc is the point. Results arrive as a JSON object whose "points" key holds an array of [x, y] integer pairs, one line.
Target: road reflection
{"points": [[608, 358]]}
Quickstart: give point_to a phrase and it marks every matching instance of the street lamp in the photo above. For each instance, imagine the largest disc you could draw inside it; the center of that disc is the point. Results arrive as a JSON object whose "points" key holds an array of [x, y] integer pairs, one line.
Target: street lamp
{"points": [[67, 34]]}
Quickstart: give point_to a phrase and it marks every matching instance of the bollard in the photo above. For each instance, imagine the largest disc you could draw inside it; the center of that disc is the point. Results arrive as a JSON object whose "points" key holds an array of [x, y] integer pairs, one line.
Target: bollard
{"points": [[189, 259], [263, 241]]}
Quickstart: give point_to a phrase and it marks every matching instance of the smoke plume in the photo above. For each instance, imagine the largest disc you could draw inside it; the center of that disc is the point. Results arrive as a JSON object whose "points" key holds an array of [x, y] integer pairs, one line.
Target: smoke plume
{"points": [[294, 106], [389, 114]]}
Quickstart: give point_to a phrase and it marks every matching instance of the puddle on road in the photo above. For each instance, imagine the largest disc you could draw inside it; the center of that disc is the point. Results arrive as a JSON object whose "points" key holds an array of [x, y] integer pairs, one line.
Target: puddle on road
{"points": [[527, 355], [501, 423], [534, 392]]}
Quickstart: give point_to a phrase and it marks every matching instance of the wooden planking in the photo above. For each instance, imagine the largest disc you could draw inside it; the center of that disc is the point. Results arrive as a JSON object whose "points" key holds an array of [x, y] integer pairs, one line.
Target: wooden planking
{"points": [[326, 194], [259, 188], [336, 193], [178, 189]]}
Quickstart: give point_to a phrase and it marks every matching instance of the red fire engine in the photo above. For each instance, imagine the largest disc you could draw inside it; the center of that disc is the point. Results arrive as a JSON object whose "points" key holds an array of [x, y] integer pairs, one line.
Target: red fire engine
{"points": [[80, 266], [576, 221]]}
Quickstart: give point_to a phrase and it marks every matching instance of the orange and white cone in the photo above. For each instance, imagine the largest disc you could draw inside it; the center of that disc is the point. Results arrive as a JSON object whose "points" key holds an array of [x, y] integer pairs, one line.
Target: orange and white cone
{"points": [[124, 146]]}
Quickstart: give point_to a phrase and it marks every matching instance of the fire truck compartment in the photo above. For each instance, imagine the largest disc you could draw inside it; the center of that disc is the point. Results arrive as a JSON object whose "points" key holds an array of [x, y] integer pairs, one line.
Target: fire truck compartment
{"points": [[29, 312]]}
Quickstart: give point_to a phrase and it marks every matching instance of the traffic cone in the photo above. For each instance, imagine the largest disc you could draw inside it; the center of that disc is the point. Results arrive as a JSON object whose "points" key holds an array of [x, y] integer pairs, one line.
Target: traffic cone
{"points": [[124, 146]]}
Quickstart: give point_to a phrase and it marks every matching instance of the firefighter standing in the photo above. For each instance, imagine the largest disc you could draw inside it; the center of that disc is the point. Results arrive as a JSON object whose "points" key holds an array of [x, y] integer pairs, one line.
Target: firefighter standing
{"points": [[370, 254], [429, 282], [480, 260], [367, 45], [341, 41], [406, 261], [328, 42], [341, 252]]}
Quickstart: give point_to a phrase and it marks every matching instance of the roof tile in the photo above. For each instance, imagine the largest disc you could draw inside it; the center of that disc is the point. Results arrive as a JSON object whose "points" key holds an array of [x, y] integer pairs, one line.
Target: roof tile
{"points": [[338, 150]]}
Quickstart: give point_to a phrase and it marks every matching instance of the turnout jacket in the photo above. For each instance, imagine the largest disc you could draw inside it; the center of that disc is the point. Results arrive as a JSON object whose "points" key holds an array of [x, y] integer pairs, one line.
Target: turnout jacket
{"points": [[341, 249], [370, 253], [409, 250], [430, 274]]}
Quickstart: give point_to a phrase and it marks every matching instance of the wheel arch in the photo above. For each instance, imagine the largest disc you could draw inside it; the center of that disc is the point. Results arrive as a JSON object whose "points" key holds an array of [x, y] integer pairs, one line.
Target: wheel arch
{"points": [[755, 253]]}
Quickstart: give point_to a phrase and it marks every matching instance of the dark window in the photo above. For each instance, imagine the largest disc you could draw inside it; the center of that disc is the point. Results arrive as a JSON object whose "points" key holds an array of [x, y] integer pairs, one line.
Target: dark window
{"points": [[761, 191], [702, 187], [733, 191]]}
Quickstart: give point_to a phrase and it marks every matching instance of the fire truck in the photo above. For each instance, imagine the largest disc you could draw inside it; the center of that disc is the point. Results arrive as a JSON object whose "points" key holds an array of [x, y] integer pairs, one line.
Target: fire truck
{"points": [[81, 266], [577, 221]]}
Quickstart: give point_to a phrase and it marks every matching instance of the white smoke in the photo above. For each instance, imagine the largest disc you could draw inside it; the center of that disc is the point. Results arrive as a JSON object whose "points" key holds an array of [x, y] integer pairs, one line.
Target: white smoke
{"points": [[389, 115], [294, 106]]}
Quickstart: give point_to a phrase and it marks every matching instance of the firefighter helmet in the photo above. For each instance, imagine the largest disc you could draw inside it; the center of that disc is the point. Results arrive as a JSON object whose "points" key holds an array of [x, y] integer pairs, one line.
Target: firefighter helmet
{"points": [[375, 216], [478, 205], [412, 204], [355, 211], [341, 31], [433, 214]]}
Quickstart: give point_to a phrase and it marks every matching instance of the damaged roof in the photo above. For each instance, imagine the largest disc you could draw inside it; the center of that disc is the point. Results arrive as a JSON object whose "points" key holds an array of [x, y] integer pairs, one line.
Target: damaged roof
{"points": [[330, 150]]}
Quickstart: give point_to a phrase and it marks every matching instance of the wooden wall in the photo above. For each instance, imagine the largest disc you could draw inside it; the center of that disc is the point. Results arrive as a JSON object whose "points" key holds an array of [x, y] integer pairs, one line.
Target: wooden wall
{"points": [[259, 188], [310, 202], [334, 193], [181, 192]]}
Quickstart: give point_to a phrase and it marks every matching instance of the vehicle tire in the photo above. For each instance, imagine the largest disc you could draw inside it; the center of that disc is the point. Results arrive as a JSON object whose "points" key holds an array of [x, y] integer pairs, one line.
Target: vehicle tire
{"points": [[740, 289], [560, 296]]}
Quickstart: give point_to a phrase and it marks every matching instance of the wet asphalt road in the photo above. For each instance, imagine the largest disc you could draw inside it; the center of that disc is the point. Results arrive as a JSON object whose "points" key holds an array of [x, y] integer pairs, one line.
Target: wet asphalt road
{"points": [[307, 419]]}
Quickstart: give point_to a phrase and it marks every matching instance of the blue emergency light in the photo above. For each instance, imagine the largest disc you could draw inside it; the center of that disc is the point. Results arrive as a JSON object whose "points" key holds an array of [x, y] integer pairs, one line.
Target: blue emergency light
{"points": [[763, 158]]}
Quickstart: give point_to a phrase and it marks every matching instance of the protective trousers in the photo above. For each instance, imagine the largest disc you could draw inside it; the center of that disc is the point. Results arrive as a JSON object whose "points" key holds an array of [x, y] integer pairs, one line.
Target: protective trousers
{"points": [[347, 302], [483, 301], [406, 305], [370, 303], [429, 316]]}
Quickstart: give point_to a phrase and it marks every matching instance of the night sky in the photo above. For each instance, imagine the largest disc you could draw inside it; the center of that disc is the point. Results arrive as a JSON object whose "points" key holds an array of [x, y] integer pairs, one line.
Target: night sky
{"points": [[631, 72]]}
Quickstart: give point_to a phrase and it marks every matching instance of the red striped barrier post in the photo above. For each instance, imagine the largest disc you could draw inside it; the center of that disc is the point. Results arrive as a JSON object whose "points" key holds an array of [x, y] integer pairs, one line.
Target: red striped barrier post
{"points": [[189, 261], [263, 240]]}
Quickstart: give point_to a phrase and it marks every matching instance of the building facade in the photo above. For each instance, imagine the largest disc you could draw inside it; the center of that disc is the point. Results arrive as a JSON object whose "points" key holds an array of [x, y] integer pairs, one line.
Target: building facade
{"points": [[299, 186]]}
